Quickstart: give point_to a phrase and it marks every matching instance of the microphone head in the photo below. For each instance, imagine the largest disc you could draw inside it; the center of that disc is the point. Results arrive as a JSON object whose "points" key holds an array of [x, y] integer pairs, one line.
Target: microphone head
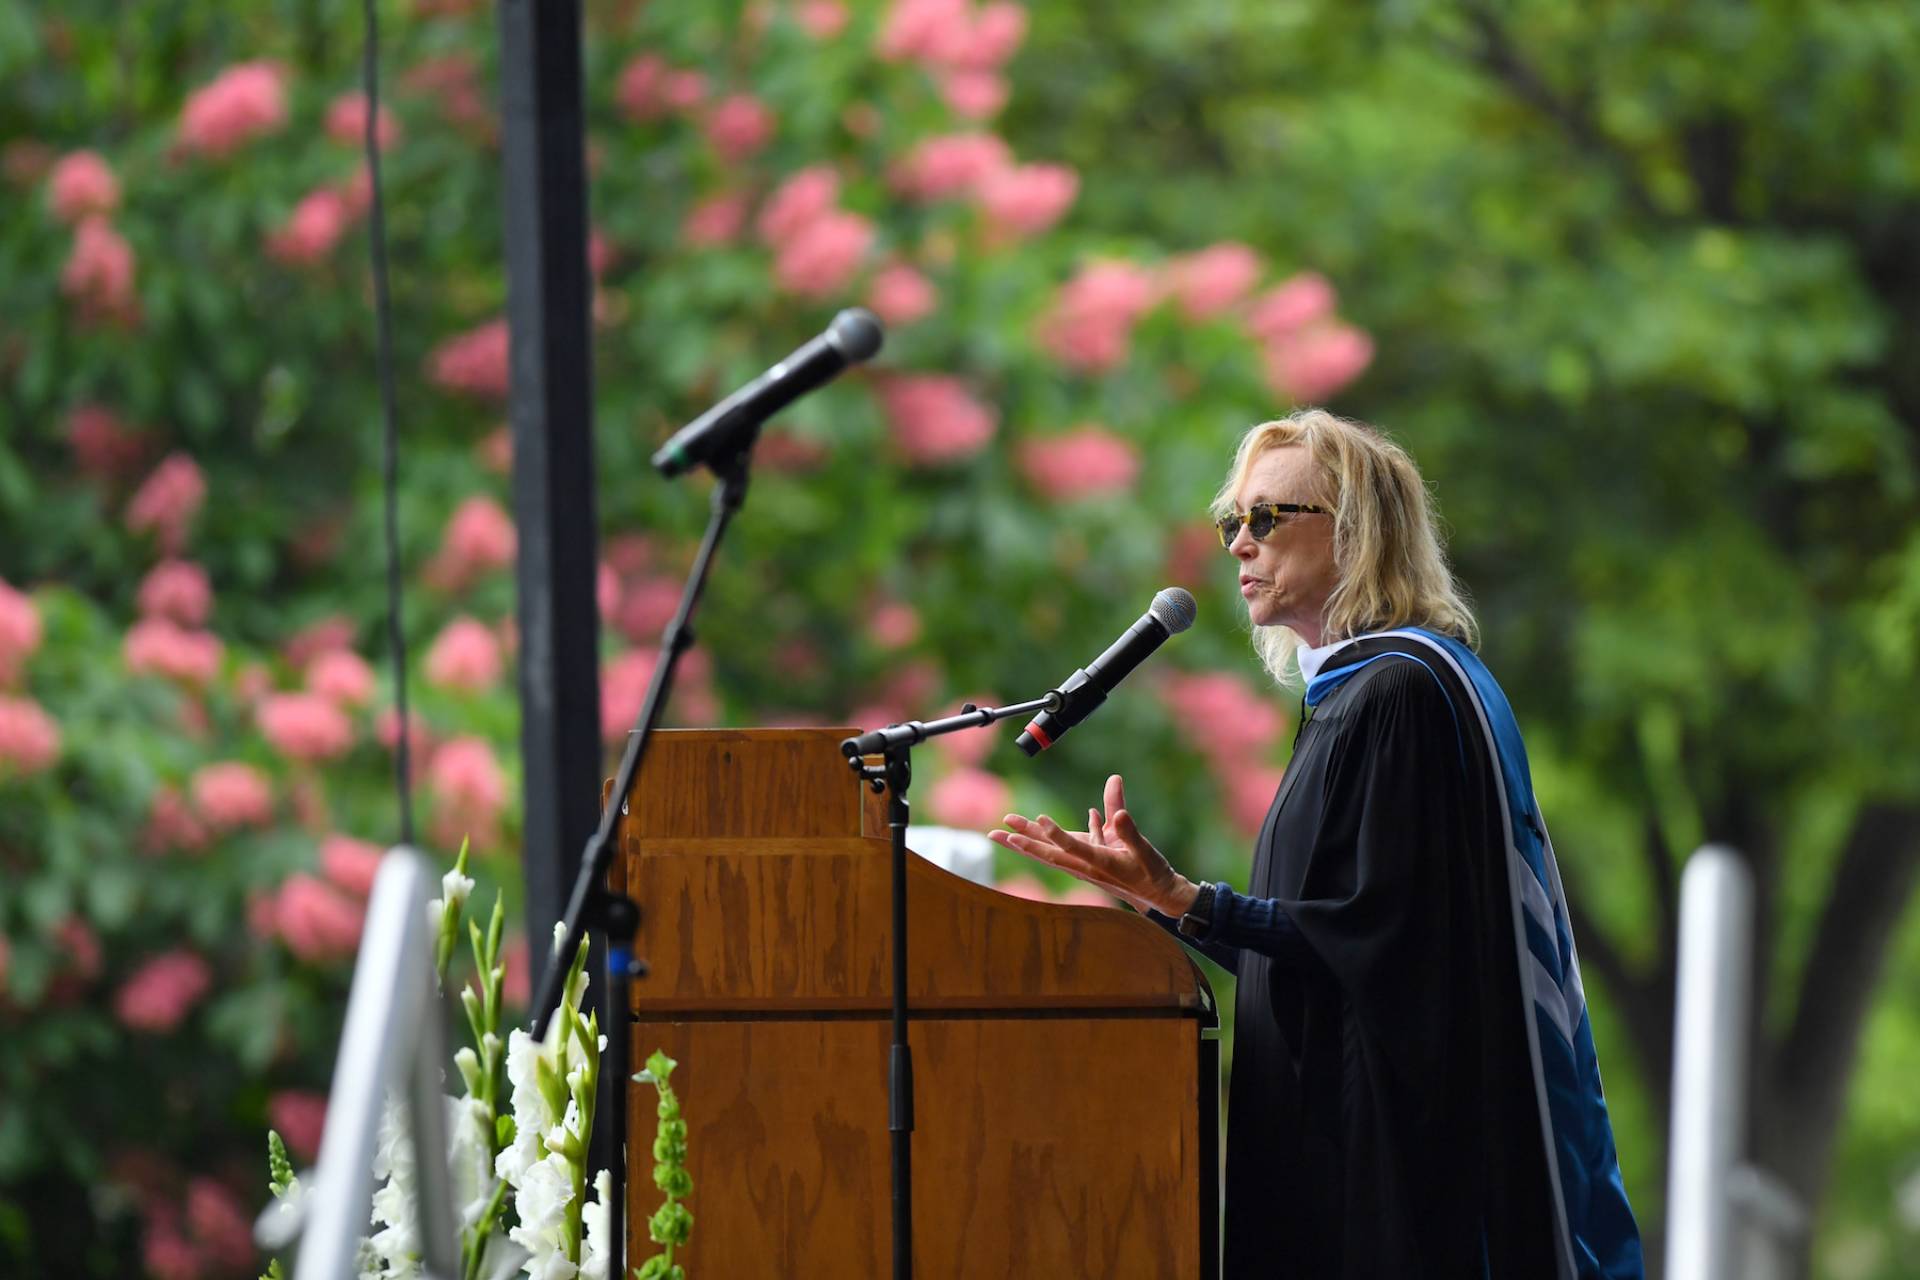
{"points": [[856, 334], [1174, 609]]}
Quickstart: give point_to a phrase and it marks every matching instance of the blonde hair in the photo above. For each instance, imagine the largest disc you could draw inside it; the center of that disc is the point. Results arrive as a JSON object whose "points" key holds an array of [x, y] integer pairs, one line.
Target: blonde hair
{"points": [[1387, 544]]}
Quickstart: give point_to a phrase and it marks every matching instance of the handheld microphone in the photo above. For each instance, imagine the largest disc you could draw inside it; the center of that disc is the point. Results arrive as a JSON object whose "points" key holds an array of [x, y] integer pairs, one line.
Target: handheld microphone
{"points": [[853, 336], [1172, 611]]}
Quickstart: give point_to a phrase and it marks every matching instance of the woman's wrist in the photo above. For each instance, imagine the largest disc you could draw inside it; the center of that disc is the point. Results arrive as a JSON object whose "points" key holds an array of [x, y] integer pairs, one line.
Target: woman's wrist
{"points": [[1179, 898]]}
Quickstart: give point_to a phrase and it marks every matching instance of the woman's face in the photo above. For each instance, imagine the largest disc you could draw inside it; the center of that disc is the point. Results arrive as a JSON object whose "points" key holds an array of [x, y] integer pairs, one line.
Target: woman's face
{"points": [[1286, 577]]}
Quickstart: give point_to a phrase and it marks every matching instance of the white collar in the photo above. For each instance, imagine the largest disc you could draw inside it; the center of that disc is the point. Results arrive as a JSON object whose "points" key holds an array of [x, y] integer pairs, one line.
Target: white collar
{"points": [[1312, 659]]}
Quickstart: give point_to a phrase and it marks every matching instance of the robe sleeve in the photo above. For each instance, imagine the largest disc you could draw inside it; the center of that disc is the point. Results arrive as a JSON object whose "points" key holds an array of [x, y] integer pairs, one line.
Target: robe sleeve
{"points": [[1377, 903], [1220, 953]]}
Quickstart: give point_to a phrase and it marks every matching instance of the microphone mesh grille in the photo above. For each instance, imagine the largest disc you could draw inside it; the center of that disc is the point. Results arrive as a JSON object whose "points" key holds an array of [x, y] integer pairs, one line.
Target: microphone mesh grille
{"points": [[1174, 609]]}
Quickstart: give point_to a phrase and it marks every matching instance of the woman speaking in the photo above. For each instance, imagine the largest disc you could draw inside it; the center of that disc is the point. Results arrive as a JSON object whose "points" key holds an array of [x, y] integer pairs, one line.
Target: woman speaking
{"points": [[1415, 1090]]}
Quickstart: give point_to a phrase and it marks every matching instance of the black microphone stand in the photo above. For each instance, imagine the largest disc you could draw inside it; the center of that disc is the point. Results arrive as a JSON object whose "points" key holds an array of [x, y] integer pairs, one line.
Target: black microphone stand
{"points": [[616, 915], [893, 774]]}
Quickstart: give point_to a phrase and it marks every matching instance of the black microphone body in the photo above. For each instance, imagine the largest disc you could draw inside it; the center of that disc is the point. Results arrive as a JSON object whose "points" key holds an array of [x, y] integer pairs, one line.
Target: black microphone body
{"points": [[1172, 611], [722, 430]]}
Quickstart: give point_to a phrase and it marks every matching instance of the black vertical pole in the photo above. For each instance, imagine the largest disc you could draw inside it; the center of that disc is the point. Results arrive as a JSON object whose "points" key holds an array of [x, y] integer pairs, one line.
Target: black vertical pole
{"points": [[549, 314]]}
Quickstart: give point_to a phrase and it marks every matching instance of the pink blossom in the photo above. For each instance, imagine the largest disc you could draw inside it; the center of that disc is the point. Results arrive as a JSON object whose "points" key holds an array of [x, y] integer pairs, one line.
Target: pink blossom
{"points": [[821, 19], [1213, 280], [341, 676], [300, 1117], [171, 825], [739, 125], [356, 192], [420, 739], [969, 748], [893, 624], [166, 1253], [1192, 553], [650, 89], [479, 538], [600, 252], [714, 221], [473, 363], [495, 450], [995, 35], [623, 689], [351, 864], [1309, 367], [243, 102], [82, 184], [971, 799], [220, 1225], [929, 30], [468, 780], [157, 646], [25, 161], [819, 260], [80, 946], [163, 991], [29, 738], [465, 657], [231, 795], [452, 81], [798, 201], [1091, 322], [332, 632], [1291, 306], [347, 122], [647, 607], [1250, 788], [178, 590], [934, 419], [950, 165], [516, 987], [102, 444], [1027, 200], [166, 502], [20, 631], [317, 921], [304, 726], [312, 229], [631, 553], [899, 295], [98, 274], [912, 684], [1222, 715], [780, 449], [1087, 462], [975, 95]]}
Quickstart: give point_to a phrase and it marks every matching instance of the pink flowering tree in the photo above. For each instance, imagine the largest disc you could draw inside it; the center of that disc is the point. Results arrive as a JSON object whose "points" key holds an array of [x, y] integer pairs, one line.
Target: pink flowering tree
{"points": [[196, 712]]}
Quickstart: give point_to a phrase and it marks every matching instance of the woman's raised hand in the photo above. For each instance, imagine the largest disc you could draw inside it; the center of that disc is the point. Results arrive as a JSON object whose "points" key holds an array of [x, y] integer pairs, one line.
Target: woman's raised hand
{"points": [[1110, 854]]}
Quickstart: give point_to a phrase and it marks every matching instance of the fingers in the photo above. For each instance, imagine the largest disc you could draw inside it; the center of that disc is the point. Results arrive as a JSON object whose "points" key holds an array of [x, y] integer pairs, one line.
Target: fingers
{"points": [[1116, 795]]}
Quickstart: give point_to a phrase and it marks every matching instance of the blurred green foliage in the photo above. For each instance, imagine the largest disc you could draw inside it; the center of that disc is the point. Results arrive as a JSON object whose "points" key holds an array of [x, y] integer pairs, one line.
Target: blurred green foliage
{"points": [[1641, 285]]}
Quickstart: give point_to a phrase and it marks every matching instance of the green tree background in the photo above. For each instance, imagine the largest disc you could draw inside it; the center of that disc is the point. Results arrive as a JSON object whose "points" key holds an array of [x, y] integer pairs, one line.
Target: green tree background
{"points": [[1640, 290]]}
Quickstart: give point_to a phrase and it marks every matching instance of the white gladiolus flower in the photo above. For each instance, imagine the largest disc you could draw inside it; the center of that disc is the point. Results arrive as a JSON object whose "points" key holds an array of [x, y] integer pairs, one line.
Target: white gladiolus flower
{"points": [[456, 888], [559, 935], [394, 1246], [467, 1158], [542, 1204], [594, 1251], [531, 1115]]}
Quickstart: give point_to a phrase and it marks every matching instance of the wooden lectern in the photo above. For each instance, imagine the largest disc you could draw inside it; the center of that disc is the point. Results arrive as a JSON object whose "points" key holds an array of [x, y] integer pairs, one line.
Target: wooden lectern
{"points": [[1065, 1062]]}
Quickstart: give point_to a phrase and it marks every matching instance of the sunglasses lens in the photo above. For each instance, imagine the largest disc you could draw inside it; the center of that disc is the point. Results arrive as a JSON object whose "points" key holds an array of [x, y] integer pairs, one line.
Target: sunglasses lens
{"points": [[1260, 522], [1228, 527]]}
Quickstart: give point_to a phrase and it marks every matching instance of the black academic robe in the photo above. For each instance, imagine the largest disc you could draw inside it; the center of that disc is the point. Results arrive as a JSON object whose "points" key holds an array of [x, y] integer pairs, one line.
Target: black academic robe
{"points": [[1382, 1119]]}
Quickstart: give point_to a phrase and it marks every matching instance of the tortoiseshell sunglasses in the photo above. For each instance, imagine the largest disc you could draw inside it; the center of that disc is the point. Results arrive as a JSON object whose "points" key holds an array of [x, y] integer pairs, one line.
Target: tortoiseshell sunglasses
{"points": [[1261, 518]]}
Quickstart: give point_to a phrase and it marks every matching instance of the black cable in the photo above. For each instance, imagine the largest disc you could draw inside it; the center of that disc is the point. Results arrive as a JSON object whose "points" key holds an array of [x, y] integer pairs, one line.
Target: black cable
{"points": [[390, 461]]}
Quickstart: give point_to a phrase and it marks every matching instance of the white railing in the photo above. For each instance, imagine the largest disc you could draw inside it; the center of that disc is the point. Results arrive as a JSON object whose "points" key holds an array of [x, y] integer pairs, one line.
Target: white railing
{"points": [[1726, 1219], [391, 1040]]}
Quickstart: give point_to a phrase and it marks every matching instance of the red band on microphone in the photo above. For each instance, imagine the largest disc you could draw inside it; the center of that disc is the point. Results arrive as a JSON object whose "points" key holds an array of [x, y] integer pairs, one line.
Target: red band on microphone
{"points": [[1039, 735]]}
